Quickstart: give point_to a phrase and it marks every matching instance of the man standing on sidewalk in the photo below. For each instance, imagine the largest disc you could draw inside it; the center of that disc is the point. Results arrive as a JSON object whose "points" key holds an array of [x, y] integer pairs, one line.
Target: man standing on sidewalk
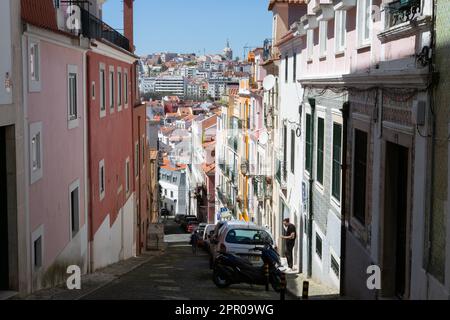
{"points": [[289, 235]]}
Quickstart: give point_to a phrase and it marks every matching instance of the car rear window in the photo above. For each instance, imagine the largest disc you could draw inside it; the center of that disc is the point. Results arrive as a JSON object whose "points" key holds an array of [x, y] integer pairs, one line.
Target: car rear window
{"points": [[248, 236]]}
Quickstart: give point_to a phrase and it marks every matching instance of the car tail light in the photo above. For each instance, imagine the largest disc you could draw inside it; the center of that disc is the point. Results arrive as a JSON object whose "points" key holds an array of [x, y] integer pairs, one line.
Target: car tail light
{"points": [[223, 248]]}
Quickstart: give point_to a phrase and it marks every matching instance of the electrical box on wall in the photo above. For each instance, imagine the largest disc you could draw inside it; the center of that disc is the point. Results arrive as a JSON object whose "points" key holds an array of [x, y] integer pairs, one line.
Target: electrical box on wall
{"points": [[419, 112]]}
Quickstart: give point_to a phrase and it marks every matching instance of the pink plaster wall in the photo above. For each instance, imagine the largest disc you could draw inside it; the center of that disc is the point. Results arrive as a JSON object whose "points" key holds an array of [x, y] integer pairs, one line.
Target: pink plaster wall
{"points": [[63, 149]]}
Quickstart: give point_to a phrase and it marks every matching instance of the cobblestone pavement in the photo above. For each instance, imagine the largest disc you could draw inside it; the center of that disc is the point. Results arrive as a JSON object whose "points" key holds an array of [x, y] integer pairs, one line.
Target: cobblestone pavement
{"points": [[177, 275]]}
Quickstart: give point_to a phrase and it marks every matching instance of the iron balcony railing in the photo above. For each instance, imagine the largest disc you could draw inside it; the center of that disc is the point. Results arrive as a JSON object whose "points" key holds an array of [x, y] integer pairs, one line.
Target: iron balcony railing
{"points": [[94, 28], [400, 11], [233, 143]]}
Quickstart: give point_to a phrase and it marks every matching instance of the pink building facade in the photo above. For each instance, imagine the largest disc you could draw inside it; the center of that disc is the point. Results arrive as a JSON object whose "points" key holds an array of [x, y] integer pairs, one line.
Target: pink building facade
{"points": [[364, 71], [54, 96]]}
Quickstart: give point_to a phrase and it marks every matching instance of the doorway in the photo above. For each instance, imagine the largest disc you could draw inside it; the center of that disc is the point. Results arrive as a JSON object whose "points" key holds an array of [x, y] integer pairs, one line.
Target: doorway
{"points": [[396, 223], [4, 241]]}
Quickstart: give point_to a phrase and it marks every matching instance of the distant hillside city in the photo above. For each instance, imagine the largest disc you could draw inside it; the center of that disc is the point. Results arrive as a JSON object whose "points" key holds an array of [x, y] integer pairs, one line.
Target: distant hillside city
{"points": [[190, 76]]}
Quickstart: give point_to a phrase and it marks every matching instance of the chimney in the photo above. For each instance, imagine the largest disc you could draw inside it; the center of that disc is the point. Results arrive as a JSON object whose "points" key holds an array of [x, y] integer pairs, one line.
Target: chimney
{"points": [[128, 22]]}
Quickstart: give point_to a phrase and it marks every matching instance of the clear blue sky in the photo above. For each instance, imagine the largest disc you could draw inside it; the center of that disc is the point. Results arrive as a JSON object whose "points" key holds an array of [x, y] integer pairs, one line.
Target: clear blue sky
{"points": [[188, 26]]}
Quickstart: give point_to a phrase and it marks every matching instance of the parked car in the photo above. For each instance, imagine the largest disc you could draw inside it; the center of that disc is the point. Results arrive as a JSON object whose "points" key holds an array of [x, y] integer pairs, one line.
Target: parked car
{"points": [[201, 230], [191, 226], [184, 220], [213, 236], [242, 239], [207, 233], [179, 217]]}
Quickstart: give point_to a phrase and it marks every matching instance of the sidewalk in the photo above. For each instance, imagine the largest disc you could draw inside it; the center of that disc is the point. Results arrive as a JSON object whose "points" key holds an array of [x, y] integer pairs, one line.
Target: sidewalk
{"points": [[316, 291], [94, 281]]}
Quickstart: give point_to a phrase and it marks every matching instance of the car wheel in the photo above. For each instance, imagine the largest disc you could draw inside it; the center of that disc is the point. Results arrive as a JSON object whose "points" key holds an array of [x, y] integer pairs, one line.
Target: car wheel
{"points": [[220, 280]]}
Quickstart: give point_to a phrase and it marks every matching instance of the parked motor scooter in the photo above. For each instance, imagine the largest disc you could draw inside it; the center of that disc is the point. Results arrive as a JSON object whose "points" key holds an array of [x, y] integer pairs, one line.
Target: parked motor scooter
{"points": [[231, 269]]}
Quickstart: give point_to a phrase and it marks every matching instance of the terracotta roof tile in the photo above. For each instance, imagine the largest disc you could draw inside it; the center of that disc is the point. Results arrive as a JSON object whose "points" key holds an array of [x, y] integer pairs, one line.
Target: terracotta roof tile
{"points": [[39, 13], [273, 2]]}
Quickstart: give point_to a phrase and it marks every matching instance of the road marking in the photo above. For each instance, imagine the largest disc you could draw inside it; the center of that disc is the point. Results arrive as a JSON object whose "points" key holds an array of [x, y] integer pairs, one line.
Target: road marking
{"points": [[157, 275], [165, 281], [164, 288]]}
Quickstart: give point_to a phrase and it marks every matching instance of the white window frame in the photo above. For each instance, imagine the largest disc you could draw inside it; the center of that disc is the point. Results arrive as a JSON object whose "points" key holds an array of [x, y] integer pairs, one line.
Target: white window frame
{"points": [[34, 83], [73, 120], [36, 172], [127, 176], [336, 119], [323, 39], [137, 151], [320, 113], [119, 89], [126, 88], [93, 93], [112, 85], [363, 17], [310, 44], [340, 29], [74, 186], [101, 181], [102, 87]]}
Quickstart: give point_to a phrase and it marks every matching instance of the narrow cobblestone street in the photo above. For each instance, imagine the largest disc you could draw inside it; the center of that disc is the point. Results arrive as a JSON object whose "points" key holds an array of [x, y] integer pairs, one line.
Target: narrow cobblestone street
{"points": [[176, 275]]}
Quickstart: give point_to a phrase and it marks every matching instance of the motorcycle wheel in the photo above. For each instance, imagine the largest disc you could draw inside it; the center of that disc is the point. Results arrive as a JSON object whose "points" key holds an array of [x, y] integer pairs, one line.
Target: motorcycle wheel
{"points": [[220, 280], [275, 282]]}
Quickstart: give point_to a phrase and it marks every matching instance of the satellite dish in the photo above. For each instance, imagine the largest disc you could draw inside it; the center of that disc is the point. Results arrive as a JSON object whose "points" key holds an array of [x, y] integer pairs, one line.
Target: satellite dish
{"points": [[269, 82], [264, 138]]}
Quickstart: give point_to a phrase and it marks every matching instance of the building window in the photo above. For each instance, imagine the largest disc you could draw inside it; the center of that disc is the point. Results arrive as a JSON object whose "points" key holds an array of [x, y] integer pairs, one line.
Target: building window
{"points": [[320, 149], [102, 91], [335, 266], [111, 89], [119, 90], [171, 194], [174, 179], [323, 38], [36, 152], [318, 246], [125, 81], [364, 21], [143, 150], [136, 159], [359, 176], [73, 95], [293, 151], [310, 44], [93, 90], [340, 30], [308, 144], [337, 158], [294, 68], [34, 61], [127, 176], [37, 247], [74, 198], [101, 176], [34, 56], [286, 69]]}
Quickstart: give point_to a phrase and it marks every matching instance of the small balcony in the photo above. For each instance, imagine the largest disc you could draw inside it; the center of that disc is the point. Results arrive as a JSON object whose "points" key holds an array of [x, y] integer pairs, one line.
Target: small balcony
{"points": [[94, 28], [400, 11], [233, 143]]}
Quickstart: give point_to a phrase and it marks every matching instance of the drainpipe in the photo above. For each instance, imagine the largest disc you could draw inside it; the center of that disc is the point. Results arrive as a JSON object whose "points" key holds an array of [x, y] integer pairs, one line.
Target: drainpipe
{"points": [[345, 115], [312, 103], [433, 147], [90, 192]]}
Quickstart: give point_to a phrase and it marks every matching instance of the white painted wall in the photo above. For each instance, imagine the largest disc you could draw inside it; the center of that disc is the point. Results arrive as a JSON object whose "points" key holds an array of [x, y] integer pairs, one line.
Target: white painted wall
{"points": [[117, 242]]}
